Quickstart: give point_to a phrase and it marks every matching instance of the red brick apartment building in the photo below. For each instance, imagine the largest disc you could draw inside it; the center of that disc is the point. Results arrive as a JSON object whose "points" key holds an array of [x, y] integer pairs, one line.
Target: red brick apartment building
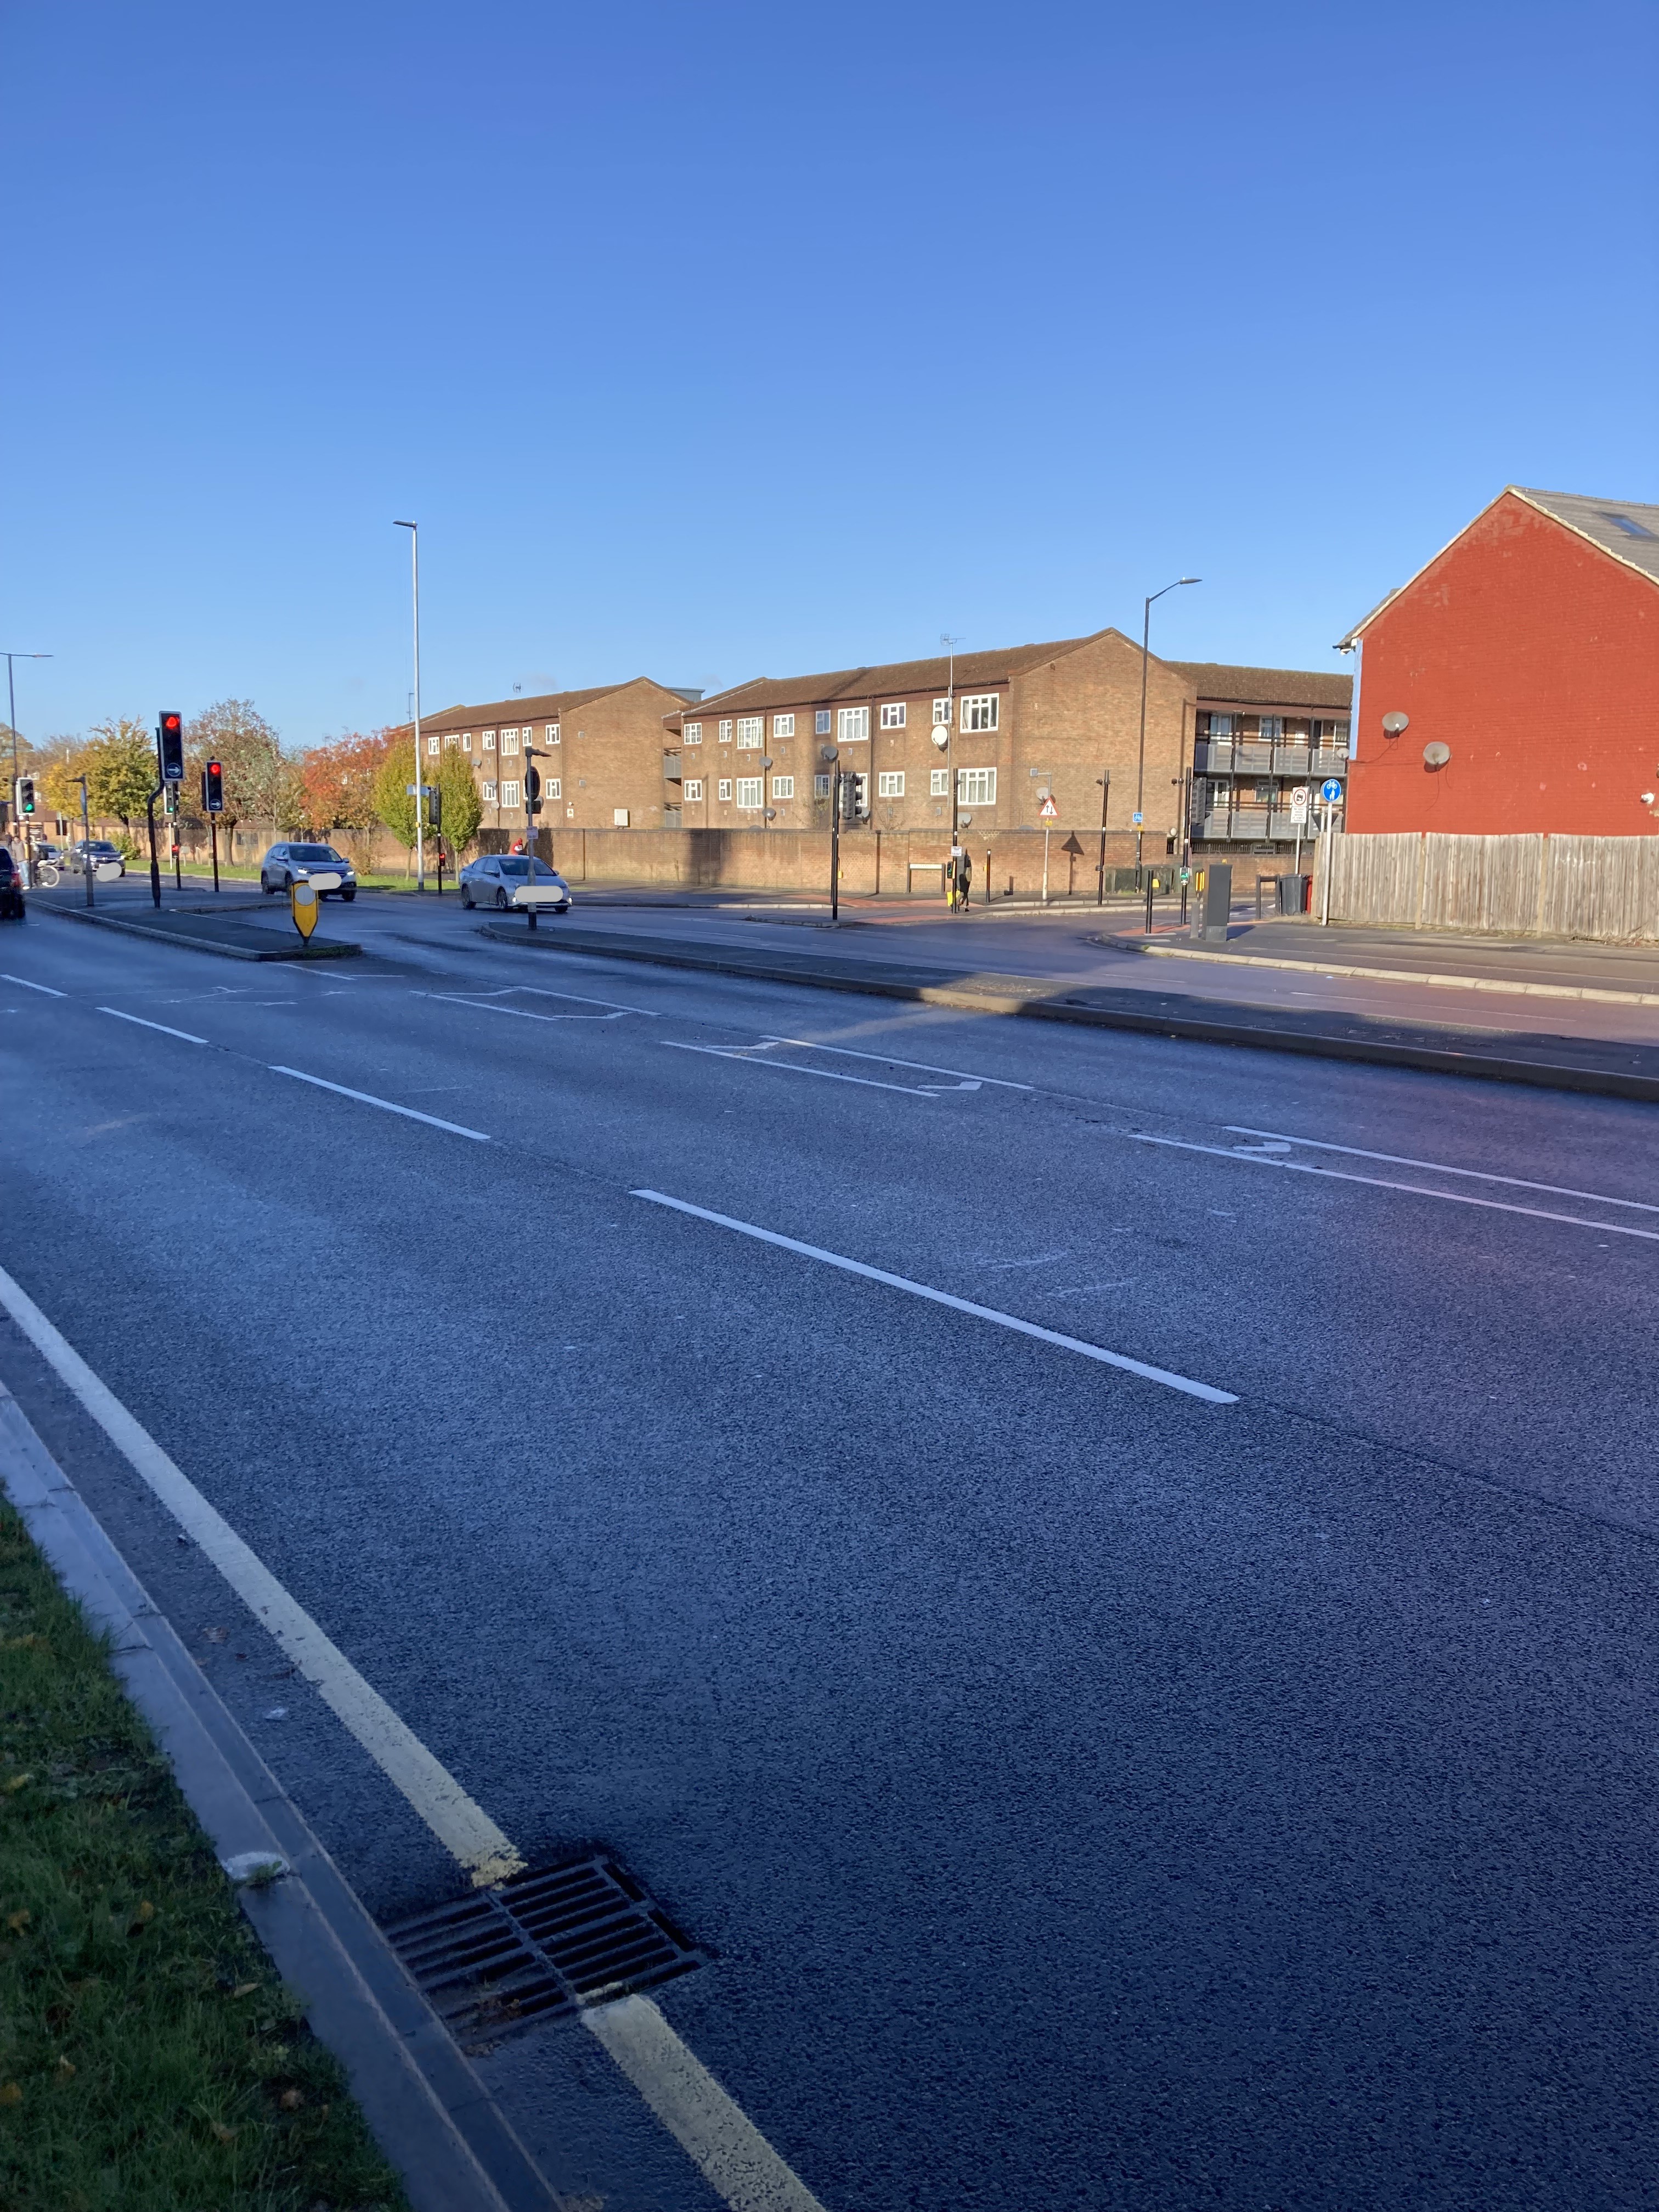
{"points": [[1025, 723], [605, 747], [1509, 686]]}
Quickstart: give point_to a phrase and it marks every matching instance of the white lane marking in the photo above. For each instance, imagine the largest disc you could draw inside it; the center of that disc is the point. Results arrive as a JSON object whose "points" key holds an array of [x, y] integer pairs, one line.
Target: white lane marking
{"points": [[891, 1059], [731, 2152], [27, 986], [1383, 1183], [463, 1829], [726, 2148], [787, 1067], [1171, 1381], [1439, 1167], [161, 1026], [576, 999], [367, 1098], [520, 1013]]}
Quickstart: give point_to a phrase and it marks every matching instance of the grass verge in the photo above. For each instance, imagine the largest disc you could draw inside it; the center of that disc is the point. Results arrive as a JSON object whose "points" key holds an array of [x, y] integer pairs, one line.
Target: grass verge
{"points": [[150, 2059]]}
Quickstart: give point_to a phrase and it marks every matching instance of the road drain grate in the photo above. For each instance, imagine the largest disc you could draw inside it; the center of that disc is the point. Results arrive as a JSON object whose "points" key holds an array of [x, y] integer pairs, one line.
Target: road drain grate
{"points": [[542, 1945]]}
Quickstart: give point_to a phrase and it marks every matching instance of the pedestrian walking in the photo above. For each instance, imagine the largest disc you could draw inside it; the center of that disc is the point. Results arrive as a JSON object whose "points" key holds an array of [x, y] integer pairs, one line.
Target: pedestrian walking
{"points": [[964, 876]]}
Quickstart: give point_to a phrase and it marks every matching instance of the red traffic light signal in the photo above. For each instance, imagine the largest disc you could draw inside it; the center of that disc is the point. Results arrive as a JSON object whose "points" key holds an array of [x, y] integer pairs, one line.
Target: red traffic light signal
{"points": [[213, 788], [170, 739]]}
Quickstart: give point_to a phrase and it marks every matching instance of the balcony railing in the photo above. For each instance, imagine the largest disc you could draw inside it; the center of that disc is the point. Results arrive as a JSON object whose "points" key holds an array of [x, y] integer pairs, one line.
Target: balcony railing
{"points": [[1234, 756], [1253, 825]]}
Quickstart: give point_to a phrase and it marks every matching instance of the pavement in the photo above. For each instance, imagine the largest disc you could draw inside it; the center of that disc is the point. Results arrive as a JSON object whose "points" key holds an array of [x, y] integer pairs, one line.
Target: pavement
{"points": [[1107, 1585]]}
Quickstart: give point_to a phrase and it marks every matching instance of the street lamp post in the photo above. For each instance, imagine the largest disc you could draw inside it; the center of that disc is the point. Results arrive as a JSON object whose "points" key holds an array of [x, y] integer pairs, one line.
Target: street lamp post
{"points": [[414, 530], [1140, 757], [950, 645], [11, 709]]}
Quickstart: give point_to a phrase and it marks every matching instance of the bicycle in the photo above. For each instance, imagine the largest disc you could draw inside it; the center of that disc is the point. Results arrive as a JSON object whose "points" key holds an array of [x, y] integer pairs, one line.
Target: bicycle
{"points": [[47, 875]]}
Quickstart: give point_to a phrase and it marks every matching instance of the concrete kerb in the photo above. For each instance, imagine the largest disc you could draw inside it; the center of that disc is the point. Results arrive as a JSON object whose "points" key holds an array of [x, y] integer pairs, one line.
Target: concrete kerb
{"points": [[331, 948], [425, 2105], [1588, 992], [1041, 1003]]}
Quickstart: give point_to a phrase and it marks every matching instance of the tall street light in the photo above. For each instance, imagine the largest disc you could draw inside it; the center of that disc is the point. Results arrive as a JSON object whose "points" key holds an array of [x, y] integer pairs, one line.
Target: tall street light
{"points": [[1140, 758], [11, 709], [950, 644], [414, 530]]}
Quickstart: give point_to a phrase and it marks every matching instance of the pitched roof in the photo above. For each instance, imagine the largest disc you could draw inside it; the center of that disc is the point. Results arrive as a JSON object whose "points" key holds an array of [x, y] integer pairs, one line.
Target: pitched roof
{"points": [[1265, 687], [548, 706], [886, 679], [1626, 529]]}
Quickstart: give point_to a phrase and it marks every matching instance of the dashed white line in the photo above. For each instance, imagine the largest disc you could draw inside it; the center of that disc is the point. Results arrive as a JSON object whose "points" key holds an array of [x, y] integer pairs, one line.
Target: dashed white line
{"points": [[891, 1060], [1161, 1374], [385, 1105], [787, 1067], [162, 1027], [27, 986], [523, 1013], [1439, 1167]]}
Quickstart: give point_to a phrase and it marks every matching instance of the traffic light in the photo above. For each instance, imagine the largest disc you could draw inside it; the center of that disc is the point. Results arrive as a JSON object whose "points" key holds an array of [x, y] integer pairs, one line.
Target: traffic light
{"points": [[213, 788], [532, 789], [435, 806], [850, 797], [170, 804], [26, 795], [171, 739]]}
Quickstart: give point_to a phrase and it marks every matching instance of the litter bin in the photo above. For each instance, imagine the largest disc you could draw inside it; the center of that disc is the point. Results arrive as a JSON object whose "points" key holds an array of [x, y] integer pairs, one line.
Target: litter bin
{"points": [[1212, 903], [1293, 894]]}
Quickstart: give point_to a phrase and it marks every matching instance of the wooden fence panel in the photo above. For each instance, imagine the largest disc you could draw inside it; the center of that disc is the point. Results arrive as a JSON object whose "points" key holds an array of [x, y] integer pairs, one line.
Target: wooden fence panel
{"points": [[1603, 888]]}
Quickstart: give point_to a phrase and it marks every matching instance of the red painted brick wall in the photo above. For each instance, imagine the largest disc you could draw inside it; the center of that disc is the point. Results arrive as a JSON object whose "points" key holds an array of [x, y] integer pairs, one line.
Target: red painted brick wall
{"points": [[1535, 657]]}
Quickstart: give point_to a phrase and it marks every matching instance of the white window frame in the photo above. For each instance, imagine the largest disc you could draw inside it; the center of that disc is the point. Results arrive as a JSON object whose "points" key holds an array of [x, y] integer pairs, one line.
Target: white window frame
{"points": [[692, 734], [511, 795], [449, 740], [820, 786], [489, 741], [751, 730], [726, 733], [693, 789], [551, 788], [939, 783], [821, 719], [553, 735], [509, 741], [488, 794], [783, 786], [783, 725], [466, 741], [725, 786], [753, 785], [892, 714], [941, 713], [980, 711], [853, 725], [976, 787], [432, 745], [889, 783]]}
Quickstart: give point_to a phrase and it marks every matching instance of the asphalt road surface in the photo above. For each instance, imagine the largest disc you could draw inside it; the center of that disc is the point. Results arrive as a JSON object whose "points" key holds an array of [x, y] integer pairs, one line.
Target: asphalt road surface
{"points": [[1091, 1790]]}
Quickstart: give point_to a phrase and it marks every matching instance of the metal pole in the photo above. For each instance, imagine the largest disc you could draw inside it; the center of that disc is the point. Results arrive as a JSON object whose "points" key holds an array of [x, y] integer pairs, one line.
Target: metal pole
{"points": [[414, 530], [1048, 832], [1105, 795], [86, 840], [11, 709], [1140, 758], [1325, 900], [835, 839], [213, 838], [949, 645], [155, 864]]}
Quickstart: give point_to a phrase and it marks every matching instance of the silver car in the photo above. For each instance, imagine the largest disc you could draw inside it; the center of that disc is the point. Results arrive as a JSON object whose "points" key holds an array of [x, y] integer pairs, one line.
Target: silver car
{"points": [[504, 880], [284, 866]]}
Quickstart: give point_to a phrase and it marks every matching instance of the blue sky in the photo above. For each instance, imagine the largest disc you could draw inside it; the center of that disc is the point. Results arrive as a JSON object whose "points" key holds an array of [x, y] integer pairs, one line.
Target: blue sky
{"points": [[711, 342]]}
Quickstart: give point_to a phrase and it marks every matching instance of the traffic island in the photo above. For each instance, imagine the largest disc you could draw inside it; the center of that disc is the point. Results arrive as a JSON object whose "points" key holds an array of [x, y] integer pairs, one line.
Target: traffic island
{"points": [[211, 932], [1608, 1069]]}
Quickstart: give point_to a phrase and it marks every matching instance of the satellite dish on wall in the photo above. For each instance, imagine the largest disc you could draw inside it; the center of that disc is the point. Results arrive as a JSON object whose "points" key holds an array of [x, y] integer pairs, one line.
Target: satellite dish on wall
{"points": [[1394, 723], [1436, 755]]}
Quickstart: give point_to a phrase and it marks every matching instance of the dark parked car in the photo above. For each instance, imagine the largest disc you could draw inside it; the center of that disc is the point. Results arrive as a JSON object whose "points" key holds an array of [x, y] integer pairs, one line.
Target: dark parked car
{"points": [[103, 855], [284, 866]]}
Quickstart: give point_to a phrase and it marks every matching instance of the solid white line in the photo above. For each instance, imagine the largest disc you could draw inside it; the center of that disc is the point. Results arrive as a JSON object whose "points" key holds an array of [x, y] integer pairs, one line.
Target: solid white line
{"points": [[577, 1000], [727, 2148], [27, 986], [1439, 1167], [463, 1829], [520, 1013], [367, 1098], [923, 1066], [1381, 1182], [143, 1024], [1171, 1382], [787, 1067]]}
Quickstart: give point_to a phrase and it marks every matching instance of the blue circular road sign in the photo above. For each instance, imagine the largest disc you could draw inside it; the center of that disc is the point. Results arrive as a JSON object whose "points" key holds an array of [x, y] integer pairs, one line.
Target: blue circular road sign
{"points": [[1330, 791]]}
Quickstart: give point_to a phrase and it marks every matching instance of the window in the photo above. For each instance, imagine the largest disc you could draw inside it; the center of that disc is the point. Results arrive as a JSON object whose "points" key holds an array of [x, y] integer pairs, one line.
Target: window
{"points": [[892, 716], [466, 741], [853, 725], [551, 733], [489, 794], [509, 741], [550, 786], [490, 741], [726, 733], [509, 794], [976, 787], [821, 722], [890, 784], [449, 739], [941, 712], [750, 729], [820, 786], [693, 788], [725, 786], [783, 725], [783, 786], [1626, 523], [939, 783], [693, 734], [748, 791], [980, 714], [1272, 729], [1221, 728], [432, 744]]}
